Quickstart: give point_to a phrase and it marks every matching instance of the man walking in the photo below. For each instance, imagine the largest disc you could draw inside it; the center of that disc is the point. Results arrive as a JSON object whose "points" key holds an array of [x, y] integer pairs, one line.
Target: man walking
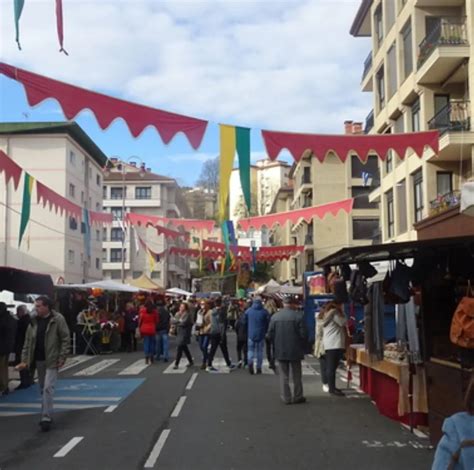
{"points": [[46, 347], [257, 320], [162, 329], [288, 333]]}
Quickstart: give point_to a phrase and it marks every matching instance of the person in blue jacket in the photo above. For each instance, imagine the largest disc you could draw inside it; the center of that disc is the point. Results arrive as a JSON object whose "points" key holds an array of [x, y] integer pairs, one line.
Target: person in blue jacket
{"points": [[455, 450], [257, 320]]}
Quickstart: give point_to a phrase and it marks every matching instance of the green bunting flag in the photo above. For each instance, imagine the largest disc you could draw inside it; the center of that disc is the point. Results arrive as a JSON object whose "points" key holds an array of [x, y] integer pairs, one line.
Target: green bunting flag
{"points": [[26, 206], [242, 135], [18, 8]]}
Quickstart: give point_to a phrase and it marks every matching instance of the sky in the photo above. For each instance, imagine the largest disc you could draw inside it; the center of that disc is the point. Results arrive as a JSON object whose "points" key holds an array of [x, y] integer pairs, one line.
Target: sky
{"points": [[288, 65]]}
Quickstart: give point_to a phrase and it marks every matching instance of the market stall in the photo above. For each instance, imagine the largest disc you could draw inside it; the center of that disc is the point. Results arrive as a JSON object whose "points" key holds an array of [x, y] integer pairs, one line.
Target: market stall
{"points": [[424, 375]]}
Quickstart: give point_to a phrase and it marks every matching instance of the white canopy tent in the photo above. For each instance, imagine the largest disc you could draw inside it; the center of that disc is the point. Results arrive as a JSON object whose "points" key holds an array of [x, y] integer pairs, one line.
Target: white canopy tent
{"points": [[272, 287], [177, 292], [108, 285]]}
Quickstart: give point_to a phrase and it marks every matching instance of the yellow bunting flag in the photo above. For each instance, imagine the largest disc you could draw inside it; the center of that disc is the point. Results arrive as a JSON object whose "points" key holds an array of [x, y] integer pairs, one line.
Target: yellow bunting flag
{"points": [[228, 142]]}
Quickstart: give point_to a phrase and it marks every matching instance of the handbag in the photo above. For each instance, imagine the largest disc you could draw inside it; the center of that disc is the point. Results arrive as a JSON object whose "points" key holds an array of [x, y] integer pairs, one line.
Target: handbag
{"points": [[462, 324], [137, 333]]}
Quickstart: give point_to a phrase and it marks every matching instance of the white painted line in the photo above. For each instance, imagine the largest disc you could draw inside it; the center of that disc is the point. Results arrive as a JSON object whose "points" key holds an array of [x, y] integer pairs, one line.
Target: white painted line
{"points": [[178, 407], [157, 448], [135, 368], [67, 398], [14, 413], [68, 447], [110, 409], [75, 361], [191, 381], [96, 368], [181, 370]]}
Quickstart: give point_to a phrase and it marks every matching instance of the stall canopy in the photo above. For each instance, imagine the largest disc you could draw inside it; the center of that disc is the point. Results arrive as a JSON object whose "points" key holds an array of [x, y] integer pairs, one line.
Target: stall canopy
{"points": [[144, 282], [104, 285], [25, 282], [176, 291], [272, 287], [400, 250]]}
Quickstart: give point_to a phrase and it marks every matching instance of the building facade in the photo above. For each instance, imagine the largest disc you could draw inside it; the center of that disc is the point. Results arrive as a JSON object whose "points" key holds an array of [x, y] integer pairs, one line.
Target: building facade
{"points": [[202, 202], [63, 157], [421, 73], [129, 188]]}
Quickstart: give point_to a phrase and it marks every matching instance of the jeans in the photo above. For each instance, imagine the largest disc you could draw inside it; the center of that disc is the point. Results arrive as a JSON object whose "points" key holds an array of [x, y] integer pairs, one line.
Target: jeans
{"points": [[285, 390], [255, 348], [47, 381], [162, 345], [149, 345], [333, 356], [204, 347]]}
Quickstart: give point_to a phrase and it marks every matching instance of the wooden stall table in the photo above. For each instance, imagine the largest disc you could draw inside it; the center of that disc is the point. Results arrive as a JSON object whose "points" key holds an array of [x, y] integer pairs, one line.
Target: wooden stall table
{"points": [[387, 383]]}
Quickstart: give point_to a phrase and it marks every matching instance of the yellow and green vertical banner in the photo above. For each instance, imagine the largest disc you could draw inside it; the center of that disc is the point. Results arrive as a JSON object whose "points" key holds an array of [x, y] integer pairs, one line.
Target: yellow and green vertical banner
{"points": [[231, 139], [17, 9], [26, 205]]}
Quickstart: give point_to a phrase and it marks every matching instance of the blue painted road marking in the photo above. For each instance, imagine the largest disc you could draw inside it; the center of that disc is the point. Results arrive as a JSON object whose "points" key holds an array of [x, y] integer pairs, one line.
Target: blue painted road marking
{"points": [[71, 394]]}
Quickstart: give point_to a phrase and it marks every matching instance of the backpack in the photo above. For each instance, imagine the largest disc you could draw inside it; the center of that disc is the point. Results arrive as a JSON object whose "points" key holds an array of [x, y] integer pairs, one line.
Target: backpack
{"points": [[462, 324], [358, 289]]}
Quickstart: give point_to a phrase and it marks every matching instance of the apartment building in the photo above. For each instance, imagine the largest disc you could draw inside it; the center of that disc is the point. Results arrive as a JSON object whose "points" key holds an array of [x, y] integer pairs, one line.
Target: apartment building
{"points": [[64, 158], [421, 73], [202, 202], [133, 188]]}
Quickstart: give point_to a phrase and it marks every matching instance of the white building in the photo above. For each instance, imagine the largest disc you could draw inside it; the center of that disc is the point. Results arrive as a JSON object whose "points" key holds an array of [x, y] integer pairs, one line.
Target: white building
{"points": [[140, 191], [64, 158]]}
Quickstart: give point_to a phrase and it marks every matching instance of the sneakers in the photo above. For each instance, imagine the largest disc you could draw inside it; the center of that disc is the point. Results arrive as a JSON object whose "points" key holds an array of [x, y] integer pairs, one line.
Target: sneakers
{"points": [[299, 401], [337, 393], [190, 364], [212, 369], [325, 388], [259, 371], [203, 366], [45, 423], [231, 367], [175, 367], [239, 364]]}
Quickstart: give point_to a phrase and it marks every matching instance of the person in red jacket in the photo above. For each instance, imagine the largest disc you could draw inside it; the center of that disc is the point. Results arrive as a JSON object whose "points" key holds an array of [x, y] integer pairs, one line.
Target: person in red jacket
{"points": [[147, 324]]}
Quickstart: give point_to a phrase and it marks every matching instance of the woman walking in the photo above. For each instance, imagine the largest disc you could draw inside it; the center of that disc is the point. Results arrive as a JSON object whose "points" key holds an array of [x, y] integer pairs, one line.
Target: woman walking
{"points": [[147, 323], [184, 325], [203, 328], [334, 341]]}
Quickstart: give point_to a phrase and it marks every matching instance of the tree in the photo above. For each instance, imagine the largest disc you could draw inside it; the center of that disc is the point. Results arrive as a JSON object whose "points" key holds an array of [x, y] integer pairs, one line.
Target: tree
{"points": [[209, 177]]}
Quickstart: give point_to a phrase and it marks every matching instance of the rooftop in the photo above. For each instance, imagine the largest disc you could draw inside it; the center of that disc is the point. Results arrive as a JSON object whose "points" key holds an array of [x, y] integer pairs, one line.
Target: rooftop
{"points": [[361, 24]]}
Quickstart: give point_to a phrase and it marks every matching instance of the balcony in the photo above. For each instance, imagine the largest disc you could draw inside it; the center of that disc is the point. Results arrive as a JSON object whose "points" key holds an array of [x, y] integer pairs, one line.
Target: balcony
{"points": [[443, 51], [369, 122], [367, 65], [366, 80], [454, 117], [444, 202]]}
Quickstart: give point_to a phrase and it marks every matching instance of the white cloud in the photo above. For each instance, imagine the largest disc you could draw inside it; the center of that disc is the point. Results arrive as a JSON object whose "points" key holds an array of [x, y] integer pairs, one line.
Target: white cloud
{"points": [[286, 65]]}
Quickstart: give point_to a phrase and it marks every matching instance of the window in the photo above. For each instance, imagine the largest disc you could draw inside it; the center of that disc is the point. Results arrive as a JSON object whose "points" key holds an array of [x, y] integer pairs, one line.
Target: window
{"points": [[156, 275], [97, 235], [418, 194], [415, 116], [97, 263], [402, 206], [115, 275], [70, 256], [361, 198], [137, 273], [378, 20], [390, 14], [104, 254], [407, 49], [306, 175], [104, 192], [389, 161], [97, 207], [365, 229], [97, 179], [72, 190], [117, 212], [104, 234], [116, 255], [72, 223], [380, 79], [72, 158], [392, 70], [116, 193], [90, 171], [390, 214], [444, 182], [371, 167], [142, 192], [116, 234]]}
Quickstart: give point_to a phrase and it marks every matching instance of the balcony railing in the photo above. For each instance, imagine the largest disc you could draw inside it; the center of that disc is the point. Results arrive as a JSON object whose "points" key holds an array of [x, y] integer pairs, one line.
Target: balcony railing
{"points": [[455, 116], [445, 202], [367, 65], [450, 31], [369, 122]]}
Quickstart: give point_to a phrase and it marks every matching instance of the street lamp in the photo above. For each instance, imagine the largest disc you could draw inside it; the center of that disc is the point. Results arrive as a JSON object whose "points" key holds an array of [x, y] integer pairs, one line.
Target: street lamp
{"points": [[122, 165]]}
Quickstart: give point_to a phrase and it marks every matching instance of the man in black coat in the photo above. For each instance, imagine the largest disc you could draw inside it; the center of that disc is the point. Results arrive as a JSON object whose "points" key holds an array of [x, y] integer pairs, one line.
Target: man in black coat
{"points": [[22, 325], [7, 341], [287, 331]]}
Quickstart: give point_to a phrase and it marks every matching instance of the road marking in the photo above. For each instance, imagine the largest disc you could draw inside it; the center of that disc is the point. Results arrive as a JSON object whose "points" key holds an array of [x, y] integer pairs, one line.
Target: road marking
{"points": [[135, 368], [178, 407], [96, 368], [59, 406], [157, 448], [110, 409], [191, 381], [68, 447], [71, 398], [75, 361], [181, 369]]}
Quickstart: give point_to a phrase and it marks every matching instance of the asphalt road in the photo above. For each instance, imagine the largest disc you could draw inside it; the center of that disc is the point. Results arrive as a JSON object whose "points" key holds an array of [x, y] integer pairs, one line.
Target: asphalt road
{"points": [[157, 418]]}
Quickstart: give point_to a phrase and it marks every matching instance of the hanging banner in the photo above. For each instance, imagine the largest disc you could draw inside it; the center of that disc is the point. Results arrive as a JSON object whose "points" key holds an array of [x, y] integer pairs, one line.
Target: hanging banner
{"points": [[106, 109], [11, 169], [307, 214], [345, 145], [226, 163], [187, 224], [242, 137], [59, 25], [18, 8], [173, 234], [188, 252], [26, 205]]}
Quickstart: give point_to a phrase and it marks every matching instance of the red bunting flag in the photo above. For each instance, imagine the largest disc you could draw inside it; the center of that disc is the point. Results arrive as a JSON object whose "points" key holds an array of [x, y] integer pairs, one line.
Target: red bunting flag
{"points": [[11, 169]]}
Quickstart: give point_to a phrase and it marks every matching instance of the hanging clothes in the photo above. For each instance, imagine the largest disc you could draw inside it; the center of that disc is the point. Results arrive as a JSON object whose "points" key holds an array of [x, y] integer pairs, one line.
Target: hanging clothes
{"points": [[406, 326], [374, 313]]}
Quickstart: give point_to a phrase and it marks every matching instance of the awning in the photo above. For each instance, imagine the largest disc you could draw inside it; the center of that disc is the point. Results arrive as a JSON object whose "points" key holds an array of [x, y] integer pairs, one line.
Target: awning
{"points": [[107, 285], [144, 282], [177, 292], [400, 250], [25, 282]]}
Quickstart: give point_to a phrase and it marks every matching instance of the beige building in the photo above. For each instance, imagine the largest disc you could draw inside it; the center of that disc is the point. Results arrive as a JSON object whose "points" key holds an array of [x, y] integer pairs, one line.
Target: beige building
{"points": [[64, 158], [315, 184], [202, 202], [421, 73], [131, 188]]}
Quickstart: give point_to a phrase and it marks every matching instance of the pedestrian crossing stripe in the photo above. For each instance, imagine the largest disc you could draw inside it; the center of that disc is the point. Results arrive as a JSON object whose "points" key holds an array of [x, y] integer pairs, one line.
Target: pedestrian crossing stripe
{"points": [[135, 368], [71, 394], [96, 368]]}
